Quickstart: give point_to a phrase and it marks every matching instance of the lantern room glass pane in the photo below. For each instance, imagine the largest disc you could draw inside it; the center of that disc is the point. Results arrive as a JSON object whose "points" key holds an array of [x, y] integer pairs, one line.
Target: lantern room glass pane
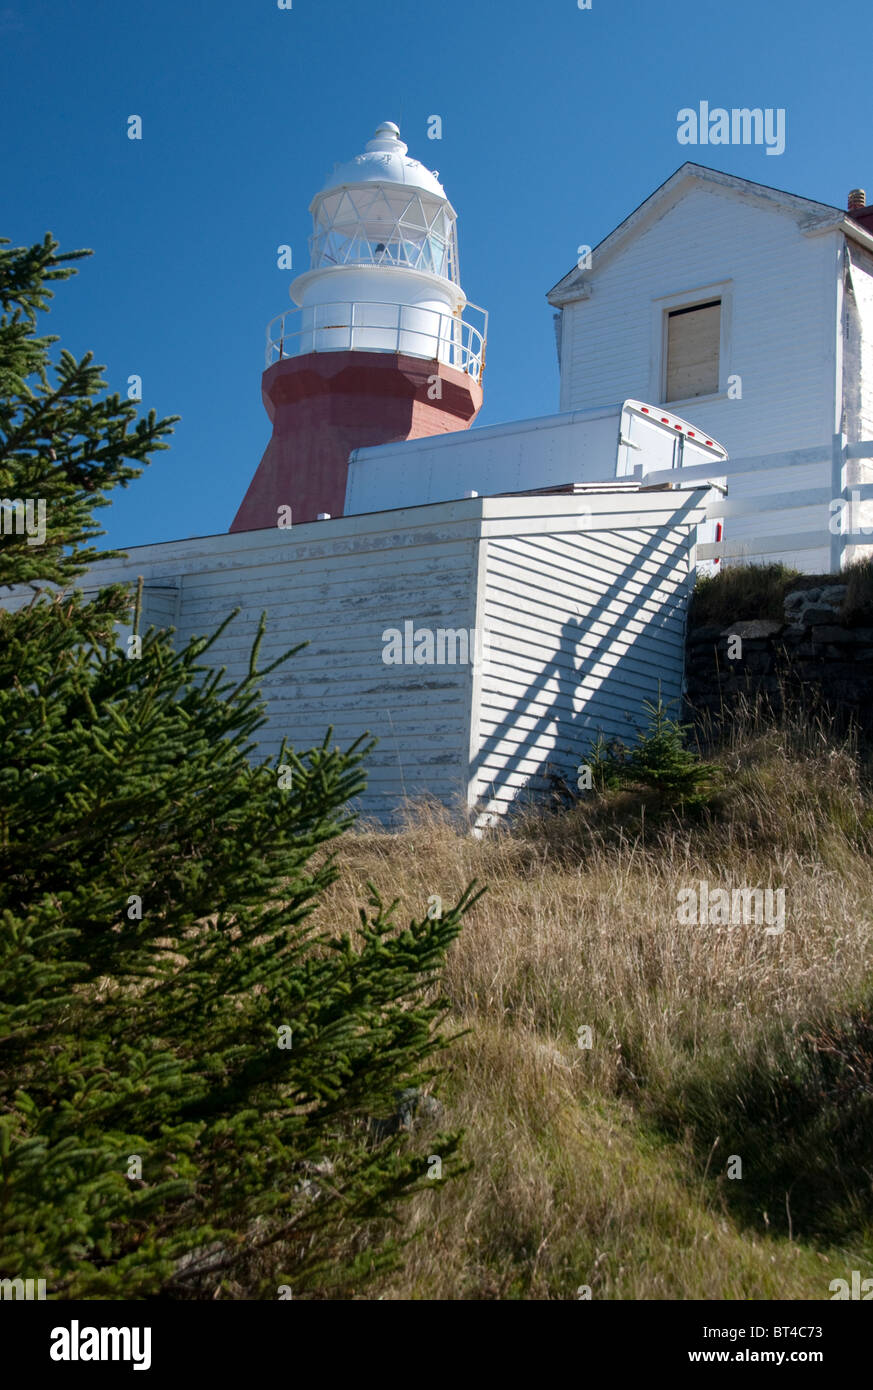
{"points": [[384, 226]]}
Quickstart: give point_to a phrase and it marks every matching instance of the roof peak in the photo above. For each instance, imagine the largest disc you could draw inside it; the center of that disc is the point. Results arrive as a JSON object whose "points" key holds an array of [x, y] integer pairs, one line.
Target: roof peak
{"points": [[705, 173]]}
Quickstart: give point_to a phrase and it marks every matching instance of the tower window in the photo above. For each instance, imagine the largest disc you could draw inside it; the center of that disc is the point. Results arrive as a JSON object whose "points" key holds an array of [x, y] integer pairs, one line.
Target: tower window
{"points": [[693, 335]]}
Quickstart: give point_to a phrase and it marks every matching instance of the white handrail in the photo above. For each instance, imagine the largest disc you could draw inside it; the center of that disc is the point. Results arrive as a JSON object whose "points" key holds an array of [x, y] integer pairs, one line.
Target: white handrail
{"points": [[359, 325]]}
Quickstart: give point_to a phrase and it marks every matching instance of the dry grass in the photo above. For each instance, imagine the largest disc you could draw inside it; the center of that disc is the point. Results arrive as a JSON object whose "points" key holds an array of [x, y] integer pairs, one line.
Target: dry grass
{"points": [[742, 591], [857, 610], [608, 1167]]}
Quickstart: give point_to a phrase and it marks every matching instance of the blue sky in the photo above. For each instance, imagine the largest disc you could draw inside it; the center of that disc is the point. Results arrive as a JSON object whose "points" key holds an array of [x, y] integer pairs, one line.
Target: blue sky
{"points": [[557, 123]]}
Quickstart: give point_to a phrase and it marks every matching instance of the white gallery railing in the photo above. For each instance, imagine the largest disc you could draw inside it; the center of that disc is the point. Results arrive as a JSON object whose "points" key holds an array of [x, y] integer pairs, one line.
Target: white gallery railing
{"points": [[374, 326]]}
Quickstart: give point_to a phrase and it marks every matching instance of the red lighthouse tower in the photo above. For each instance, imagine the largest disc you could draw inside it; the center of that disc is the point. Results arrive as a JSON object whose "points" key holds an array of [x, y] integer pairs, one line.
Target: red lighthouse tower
{"points": [[382, 346]]}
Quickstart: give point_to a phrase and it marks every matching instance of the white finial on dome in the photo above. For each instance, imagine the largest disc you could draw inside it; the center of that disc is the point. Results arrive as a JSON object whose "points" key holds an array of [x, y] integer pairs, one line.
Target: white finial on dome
{"points": [[387, 137]]}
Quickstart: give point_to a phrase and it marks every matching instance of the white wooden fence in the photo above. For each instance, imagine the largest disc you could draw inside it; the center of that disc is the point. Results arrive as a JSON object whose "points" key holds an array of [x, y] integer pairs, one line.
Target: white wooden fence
{"points": [[840, 526]]}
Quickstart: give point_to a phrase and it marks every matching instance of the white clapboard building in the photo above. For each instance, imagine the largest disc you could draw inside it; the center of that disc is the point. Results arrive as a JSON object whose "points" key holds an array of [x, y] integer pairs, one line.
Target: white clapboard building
{"points": [[751, 311], [486, 602], [485, 642]]}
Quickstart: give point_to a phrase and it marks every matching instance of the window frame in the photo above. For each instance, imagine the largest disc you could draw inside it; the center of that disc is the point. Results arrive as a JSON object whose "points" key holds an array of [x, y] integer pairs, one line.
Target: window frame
{"points": [[665, 304]]}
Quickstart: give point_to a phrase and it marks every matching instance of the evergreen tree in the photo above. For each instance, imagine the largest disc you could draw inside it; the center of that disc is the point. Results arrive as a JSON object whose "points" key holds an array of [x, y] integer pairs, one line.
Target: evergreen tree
{"points": [[659, 761], [188, 1059]]}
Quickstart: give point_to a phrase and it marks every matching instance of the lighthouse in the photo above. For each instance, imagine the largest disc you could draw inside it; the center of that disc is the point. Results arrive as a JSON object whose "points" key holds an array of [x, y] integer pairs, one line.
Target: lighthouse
{"points": [[381, 344]]}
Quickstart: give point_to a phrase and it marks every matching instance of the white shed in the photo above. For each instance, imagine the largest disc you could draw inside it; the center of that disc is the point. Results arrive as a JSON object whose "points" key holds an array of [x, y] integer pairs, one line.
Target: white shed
{"points": [[484, 642]]}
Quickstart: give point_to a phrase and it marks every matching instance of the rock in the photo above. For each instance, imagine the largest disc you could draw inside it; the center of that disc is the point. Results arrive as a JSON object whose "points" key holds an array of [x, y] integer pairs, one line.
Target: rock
{"points": [[757, 635], [412, 1108], [204, 1260], [429, 1108], [754, 627], [407, 1105], [771, 685], [317, 1168], [813, 616], [756, 662], [825, 632], [322, 1167]]}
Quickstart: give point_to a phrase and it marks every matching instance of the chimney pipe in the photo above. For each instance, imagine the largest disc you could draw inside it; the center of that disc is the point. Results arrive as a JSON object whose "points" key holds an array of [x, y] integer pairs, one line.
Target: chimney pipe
{"points": [[857, 200]]}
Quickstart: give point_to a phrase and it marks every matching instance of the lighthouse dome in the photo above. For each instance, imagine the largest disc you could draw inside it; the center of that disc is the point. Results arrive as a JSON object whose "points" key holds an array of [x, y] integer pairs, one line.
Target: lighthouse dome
{"points": [[385, 160]]}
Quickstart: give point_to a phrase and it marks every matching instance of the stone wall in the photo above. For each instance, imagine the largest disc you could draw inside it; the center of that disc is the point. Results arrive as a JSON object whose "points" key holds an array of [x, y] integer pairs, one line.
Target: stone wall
{"points": [[813, 656]]}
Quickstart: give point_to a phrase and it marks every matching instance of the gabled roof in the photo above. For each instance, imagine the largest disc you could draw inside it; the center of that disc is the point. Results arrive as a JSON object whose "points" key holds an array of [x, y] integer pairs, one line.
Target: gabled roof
{"points": [[810, 215], [864, 218]]}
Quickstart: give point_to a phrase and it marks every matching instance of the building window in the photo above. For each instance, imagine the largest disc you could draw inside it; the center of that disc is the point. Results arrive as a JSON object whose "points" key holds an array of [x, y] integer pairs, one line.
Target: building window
{"points": [[693, 334]]}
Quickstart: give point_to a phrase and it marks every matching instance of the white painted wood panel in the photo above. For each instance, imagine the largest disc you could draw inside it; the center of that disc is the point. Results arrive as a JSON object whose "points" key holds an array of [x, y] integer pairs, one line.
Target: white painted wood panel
{"points": [[583, 628], [338, 586], [581, 597]]}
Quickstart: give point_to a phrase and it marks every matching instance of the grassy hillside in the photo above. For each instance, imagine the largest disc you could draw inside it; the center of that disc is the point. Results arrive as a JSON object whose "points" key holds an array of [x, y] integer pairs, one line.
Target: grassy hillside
{"points": [[608, 1166]]}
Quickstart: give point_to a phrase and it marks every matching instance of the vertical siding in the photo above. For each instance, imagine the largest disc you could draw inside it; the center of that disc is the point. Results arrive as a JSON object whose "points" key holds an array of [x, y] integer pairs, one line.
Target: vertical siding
{"points": [[782, 287], [582, 630]]}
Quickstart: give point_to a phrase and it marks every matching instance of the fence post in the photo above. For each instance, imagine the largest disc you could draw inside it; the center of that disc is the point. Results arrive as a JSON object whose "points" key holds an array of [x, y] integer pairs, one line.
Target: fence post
{"points": [[838, 488]]}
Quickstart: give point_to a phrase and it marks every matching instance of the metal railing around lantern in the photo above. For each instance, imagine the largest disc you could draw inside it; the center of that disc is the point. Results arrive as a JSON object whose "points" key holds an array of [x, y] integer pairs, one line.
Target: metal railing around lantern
{"points": [[375, 326]]}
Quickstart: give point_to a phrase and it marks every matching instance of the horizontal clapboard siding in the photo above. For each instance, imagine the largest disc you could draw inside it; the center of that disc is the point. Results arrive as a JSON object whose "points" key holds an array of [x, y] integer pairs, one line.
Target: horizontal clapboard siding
{"points": [[338, 591], [582, 629], [160, 605], [782, 318], [578, 601], [779, 287]]}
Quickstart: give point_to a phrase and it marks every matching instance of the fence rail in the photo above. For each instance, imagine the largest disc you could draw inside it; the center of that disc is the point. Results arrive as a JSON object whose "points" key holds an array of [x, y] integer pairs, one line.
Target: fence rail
{"points": [[839, 527]]}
